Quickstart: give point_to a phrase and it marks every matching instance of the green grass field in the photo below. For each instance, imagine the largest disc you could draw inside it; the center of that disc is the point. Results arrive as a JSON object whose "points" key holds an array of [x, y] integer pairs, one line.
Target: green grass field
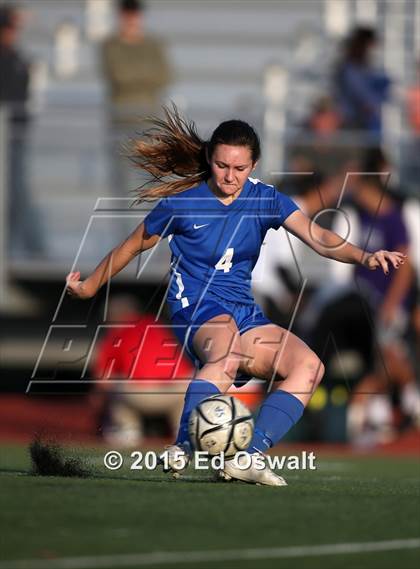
{"points": [[123, 515]]}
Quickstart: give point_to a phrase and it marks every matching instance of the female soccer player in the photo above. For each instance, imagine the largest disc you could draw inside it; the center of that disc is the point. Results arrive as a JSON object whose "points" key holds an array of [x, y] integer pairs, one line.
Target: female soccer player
{"points": [[216, 217]]}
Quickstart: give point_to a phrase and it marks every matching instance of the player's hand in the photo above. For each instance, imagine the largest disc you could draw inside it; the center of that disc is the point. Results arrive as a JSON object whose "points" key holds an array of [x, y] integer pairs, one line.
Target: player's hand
{"points": [[77, 288], [381, 259]]}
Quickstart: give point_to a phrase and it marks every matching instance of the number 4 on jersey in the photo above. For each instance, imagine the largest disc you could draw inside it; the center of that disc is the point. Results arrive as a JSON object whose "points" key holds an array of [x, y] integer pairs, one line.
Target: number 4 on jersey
{"points": [[225, 262]]}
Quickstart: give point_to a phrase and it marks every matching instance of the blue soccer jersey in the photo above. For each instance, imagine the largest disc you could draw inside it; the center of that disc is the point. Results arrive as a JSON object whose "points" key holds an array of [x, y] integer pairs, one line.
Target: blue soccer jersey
{"points": [[215, 246]]}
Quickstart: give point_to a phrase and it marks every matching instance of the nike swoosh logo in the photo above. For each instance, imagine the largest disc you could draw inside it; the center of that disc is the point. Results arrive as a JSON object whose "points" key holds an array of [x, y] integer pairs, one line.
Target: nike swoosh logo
{"points": [[200, 226]]}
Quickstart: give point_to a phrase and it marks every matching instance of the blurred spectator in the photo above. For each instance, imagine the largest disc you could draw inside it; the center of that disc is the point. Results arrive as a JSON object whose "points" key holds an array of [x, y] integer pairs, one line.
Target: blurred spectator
{"points": [[375, 161], [135, 66], [413, 103], [382, 227], [324, 119], [146, 354], [410, 158], [319, 144], [24, 234], [137, 72], [376, 222], [360, 89]]}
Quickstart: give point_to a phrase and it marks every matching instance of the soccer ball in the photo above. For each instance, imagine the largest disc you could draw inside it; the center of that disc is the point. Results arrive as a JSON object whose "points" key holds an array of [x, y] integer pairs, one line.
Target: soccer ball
{"points": [[221, 424]]}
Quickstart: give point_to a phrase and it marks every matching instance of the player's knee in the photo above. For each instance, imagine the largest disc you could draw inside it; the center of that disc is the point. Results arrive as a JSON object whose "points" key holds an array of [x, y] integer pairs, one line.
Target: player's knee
{"points": [[222, 373], [316, 369], [312, 368], [320, 372], [230, 367]]}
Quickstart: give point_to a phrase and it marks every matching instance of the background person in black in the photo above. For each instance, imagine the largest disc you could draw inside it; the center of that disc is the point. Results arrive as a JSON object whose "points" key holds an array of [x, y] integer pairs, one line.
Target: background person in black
{"points": [[24, 233]]}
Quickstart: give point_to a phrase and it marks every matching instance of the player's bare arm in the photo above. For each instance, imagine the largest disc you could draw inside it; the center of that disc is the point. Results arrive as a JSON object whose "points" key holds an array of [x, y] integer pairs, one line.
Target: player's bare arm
{"points": [[137, 242], [330, 245]]}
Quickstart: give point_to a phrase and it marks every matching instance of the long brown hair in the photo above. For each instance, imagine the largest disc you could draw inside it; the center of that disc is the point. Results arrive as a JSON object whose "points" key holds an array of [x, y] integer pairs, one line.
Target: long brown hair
{"points": [[174, 155]]}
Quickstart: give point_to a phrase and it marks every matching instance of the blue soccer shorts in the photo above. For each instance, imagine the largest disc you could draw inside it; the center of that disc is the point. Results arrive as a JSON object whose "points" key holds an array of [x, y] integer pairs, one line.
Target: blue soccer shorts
{"points": [[187, 321]]}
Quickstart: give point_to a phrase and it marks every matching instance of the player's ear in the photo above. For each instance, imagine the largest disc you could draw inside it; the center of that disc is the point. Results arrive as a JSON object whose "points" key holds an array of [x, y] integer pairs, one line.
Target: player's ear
{"points": [[254, 165]]}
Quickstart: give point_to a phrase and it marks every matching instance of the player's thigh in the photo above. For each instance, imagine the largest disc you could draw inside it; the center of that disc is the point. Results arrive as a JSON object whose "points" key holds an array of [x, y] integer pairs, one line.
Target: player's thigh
{"points": [[272, 350], [217, 340]]}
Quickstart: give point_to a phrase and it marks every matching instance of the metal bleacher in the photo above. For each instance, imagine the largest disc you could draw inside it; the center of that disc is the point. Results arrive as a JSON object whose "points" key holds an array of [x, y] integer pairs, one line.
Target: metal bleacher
{"points": [[220, 52]]}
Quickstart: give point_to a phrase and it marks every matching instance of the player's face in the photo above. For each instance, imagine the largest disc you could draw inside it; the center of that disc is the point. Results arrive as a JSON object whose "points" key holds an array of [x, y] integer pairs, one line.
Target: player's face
{"points": [[230, 167]]}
